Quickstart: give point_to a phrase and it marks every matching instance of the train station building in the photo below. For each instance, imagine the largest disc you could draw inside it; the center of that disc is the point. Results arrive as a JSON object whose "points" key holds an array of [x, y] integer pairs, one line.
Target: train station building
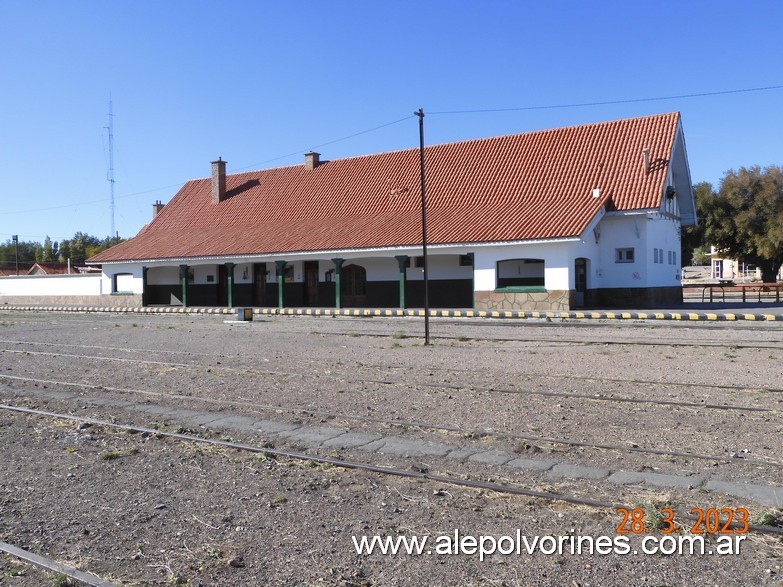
{"points": [[583, 216]]}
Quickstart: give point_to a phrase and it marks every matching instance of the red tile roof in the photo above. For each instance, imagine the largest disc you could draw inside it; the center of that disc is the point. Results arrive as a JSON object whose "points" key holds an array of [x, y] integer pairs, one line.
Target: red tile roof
{"points": [[528, 186]]}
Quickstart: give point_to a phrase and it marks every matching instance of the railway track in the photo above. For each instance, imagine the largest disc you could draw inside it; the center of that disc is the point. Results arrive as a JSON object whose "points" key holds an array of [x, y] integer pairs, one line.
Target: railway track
{"points": [[408, 383], [401, 377], [51, 565], [403, 382], [561, 341], [309, 380], [418, 425], [509, 489], [520, 332]]}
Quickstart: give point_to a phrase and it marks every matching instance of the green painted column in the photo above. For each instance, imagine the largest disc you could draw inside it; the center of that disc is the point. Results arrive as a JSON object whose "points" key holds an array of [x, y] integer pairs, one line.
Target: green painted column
{"points": [[230, 280], [280, 281], [338, 271], [403, 261], [183, 280]]}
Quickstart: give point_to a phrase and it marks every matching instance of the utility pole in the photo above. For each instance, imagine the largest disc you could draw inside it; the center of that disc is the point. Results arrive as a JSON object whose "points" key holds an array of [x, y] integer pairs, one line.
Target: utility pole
{"points": [[110, 174], [16, 244], [420, 114]]}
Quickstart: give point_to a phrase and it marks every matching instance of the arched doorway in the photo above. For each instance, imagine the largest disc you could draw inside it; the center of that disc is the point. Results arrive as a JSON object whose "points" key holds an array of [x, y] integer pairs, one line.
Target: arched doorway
{"points": [[353, 286]]}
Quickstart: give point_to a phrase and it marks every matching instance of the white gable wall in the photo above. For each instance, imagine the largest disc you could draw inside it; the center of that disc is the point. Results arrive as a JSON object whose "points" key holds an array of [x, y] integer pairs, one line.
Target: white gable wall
{"points": [[621, 232], [644, 233], [664, 234]]}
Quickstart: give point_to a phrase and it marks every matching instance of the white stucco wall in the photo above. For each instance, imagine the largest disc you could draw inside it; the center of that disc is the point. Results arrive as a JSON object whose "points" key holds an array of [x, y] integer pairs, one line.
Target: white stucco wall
{"points": [[443, 265], [556, 256], [621, 232], [168, 275], [52, 285], [130, 280], [598, 244], [644, 233]]}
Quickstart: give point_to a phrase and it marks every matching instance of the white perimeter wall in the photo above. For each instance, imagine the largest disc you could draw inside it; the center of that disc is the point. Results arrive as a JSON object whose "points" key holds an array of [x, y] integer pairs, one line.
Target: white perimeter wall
{"points": [[52, 285]]}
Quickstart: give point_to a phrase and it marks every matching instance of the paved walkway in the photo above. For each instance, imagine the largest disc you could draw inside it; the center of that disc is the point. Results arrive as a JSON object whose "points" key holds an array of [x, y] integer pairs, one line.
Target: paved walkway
{"points": [[338, 439]]}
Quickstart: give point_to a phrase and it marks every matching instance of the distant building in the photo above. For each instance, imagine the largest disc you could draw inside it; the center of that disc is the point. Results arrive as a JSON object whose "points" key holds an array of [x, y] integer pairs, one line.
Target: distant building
{"points": [[723, 268], [49, 268], [558, 219]]}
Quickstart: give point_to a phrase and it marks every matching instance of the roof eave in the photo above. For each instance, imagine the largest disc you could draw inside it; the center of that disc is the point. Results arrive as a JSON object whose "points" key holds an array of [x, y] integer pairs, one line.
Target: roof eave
{"points": [[337, 252]]}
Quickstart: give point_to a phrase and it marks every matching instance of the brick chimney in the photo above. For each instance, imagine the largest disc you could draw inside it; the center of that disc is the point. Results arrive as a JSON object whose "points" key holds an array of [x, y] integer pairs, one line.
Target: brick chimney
{"points": [[312, 160], [156, 208], [218, 181]]}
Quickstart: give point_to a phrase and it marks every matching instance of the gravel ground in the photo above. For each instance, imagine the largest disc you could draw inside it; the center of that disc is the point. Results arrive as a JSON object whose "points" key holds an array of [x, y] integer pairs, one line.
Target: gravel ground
{"points": [[158, 511]]}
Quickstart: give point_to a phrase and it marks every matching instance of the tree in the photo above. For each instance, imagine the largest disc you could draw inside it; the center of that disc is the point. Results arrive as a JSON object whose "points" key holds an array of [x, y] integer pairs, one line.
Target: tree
{"points": [[65, 251], [745, 218], [76, 249], [83, 246], [694, 244], [26, 254], [49, 253]]}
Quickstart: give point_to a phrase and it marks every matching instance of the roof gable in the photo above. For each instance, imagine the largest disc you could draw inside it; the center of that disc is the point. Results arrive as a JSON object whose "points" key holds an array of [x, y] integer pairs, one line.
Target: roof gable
{"points": [[528, 186]]}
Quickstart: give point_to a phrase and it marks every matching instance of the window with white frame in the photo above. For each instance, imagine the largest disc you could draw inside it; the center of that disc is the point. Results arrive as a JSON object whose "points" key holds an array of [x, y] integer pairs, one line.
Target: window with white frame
{"points": [[520, 272], [122, 282], [624, 255]]}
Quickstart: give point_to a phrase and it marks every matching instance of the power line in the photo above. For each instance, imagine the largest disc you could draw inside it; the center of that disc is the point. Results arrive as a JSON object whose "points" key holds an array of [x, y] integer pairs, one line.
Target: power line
{"points": [[298, 152], [110, 174], [176, 185], [476, 111], [609, 102]]}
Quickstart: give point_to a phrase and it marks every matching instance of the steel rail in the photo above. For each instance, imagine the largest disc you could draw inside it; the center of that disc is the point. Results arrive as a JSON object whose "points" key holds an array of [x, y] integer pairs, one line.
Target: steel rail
{"points": [[734, 344], [355, 465], [528, 376], [51, 565], [109, 348], [117, 359], [450, 386], [411, 424], [582, 342]]}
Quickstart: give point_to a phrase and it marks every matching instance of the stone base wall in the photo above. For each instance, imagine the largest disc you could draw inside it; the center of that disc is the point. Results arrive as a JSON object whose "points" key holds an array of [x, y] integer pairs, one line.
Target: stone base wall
{"points": [[636, 297], [557, 300], [110, 301]]}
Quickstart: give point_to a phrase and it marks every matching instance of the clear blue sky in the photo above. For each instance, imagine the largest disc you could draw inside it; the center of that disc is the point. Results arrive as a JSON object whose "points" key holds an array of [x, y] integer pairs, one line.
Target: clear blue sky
{"points": [[260, 83]]}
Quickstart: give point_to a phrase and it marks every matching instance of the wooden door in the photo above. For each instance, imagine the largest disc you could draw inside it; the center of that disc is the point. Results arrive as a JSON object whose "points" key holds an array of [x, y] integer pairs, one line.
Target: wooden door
{"points": [[353, 286], [580, 281], [311, 283], [259, 284]]}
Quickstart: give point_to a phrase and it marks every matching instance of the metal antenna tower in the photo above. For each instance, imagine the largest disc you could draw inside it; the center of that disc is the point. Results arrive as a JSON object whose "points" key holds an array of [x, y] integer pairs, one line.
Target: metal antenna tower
{"points": [[110, 174]]}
